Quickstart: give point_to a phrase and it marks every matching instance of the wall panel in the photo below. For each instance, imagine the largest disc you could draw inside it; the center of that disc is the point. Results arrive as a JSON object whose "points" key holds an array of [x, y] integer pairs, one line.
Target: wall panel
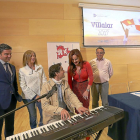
{"points": [[120, 74], [13, 26], [55, 27], [133, 72], [31, 10], [74, 38], [16, 60], [118, 56], [118, 88], [72, 12], [88, 53]]}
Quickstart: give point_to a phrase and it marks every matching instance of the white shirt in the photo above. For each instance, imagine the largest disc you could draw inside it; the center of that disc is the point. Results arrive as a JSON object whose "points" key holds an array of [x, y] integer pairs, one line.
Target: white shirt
{"points": [[3, 63], [102, 70], [31, 81]]}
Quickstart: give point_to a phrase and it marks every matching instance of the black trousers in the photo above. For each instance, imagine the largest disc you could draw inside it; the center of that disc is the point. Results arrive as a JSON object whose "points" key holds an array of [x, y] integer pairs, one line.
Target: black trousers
{"points": [[9, 120]]}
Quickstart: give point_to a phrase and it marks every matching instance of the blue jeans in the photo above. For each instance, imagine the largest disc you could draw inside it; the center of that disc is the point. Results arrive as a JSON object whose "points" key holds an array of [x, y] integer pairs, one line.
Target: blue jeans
{"points": [[33, 114]]}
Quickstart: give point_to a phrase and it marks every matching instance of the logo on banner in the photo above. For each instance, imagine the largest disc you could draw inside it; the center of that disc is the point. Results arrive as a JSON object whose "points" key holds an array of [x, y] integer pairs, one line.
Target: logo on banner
{"points": [[61, 51]]}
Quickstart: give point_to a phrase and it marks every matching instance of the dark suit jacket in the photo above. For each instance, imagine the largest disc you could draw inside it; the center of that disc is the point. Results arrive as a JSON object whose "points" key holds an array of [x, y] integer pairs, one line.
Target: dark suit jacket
{"points": [[7, 87]]}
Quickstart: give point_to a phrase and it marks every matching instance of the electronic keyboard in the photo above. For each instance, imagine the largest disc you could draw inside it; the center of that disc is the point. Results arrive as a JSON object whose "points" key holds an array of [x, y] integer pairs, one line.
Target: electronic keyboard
{"points": [[78, 127]]}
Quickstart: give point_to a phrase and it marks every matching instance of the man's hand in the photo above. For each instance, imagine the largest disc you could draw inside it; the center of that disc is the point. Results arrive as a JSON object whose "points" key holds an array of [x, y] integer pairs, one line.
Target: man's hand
{"points": [[65, 115], [82, 110]]}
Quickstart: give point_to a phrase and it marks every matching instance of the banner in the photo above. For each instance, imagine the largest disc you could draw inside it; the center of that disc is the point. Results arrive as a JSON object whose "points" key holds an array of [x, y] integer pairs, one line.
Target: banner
{"points": [[58, 53], [111, 27]]}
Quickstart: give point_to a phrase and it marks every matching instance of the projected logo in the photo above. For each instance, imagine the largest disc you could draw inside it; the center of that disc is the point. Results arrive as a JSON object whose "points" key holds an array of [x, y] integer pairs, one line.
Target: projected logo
{"points": [[103, 32], [95, 15]]}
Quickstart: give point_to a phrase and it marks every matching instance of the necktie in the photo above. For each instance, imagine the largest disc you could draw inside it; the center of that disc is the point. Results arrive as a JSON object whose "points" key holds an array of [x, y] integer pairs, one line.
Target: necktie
{"points": [[7, 70], [60, 97]]}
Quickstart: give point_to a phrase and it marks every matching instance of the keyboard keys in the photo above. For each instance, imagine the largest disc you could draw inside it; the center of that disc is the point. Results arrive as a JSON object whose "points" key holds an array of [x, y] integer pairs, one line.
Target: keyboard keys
{"points": [[56, 126]]}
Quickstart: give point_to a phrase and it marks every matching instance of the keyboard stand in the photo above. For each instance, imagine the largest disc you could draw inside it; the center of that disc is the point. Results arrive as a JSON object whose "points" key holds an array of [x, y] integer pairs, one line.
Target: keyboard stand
{"points": [[98, 134]]}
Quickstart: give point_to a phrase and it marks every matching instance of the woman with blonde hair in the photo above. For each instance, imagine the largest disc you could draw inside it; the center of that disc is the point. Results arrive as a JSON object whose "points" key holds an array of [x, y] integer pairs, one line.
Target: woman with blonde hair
{"points": [[31, 78]]}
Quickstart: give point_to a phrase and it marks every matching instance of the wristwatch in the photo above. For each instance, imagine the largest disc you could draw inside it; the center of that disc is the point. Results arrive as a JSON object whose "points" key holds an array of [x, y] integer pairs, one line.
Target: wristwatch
{"points": [[88, 90]]}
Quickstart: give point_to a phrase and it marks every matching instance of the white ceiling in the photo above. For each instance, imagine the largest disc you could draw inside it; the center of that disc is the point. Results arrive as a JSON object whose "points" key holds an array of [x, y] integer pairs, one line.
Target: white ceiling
{"points": [[110, 2]]}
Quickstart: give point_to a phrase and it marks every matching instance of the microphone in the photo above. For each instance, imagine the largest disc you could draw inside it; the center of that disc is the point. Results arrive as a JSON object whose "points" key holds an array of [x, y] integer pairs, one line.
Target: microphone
{"points": [[47, 95], [51, 92]]}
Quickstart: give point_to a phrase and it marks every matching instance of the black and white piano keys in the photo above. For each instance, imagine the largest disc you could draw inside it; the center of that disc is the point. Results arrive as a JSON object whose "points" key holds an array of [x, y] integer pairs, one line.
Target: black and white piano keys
{"points": [[48, 131], [39, 130], [56, 126]]}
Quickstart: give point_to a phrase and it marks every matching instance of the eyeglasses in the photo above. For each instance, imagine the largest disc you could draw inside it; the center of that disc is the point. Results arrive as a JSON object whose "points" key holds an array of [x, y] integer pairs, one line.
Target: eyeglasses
{"points": [[99, 52]]}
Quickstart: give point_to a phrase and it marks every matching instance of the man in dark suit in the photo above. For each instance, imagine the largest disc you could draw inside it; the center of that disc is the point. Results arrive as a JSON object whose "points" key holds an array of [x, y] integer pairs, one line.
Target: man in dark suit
{"points": [[8, 89]]}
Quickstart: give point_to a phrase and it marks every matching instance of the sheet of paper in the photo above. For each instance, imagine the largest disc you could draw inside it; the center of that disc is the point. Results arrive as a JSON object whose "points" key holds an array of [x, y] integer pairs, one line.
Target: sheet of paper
{"points": [[136, 93]]}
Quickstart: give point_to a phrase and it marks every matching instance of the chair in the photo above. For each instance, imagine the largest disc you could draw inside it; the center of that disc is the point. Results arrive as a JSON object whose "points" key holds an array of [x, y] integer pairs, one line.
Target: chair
{"points": [[118, 88], [134, 85]]}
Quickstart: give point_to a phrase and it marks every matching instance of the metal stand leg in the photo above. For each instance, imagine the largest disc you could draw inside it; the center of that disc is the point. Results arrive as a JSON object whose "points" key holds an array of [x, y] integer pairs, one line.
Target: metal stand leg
{"points": [[97, 135]]}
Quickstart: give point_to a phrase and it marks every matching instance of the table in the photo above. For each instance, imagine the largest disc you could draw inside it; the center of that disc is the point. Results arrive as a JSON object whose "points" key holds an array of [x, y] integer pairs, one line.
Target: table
{"points": [[129, 127]]}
